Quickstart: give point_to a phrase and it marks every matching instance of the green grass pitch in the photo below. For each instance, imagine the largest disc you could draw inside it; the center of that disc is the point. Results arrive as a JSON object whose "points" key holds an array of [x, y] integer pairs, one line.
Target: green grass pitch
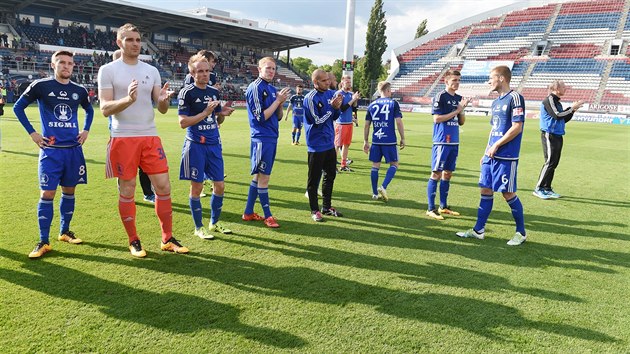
{"points": [[383, 278]]}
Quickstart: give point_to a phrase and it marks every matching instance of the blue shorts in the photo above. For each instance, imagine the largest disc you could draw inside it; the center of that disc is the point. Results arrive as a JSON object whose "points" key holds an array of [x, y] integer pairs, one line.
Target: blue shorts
{"points": [[377, 152], [498, 175], [298, 122], [262, 157], [65, 167], [444, 157], [199, 159]]}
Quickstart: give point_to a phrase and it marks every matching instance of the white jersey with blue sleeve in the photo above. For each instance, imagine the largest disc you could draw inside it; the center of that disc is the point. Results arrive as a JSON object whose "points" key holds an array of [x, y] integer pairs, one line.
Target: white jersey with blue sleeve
{"points": [[382, 113]]}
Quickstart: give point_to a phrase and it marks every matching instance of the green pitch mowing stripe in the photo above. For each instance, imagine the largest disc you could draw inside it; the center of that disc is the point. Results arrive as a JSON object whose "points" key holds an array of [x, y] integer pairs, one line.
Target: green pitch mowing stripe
{"points": [[384, 278]]}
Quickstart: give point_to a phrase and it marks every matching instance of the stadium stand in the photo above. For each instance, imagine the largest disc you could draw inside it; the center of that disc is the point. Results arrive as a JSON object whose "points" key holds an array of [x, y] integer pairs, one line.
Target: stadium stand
{"points": [[32, 34], [584, 43]]}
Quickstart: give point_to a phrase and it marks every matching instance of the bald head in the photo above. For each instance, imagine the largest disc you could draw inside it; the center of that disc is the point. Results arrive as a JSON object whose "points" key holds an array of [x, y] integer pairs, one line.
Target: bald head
{"points": [[321, 80]]}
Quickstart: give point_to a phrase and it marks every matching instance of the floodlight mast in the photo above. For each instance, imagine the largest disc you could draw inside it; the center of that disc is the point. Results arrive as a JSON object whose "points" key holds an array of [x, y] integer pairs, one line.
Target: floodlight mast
{"points": [[348, 58]]}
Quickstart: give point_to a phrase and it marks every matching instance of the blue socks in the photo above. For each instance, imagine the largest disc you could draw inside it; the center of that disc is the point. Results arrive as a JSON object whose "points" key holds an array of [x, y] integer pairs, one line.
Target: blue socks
{"points": [[444, 187], [389, 175], [263, 195], [517, 213], [196, 211], [374, 178], [66, 209], [293, 136], [485, 207], [252, 195], [216, 203], [297, 136], [431, 190], [44, 216]]}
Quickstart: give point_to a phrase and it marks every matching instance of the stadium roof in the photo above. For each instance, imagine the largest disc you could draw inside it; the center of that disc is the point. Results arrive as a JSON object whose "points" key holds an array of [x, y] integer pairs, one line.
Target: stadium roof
{"points": [[153, 19]]}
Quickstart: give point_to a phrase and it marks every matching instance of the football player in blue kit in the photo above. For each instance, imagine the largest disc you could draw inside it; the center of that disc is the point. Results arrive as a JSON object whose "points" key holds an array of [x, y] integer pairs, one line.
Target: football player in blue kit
{"points": [[296, 105], [500, 160], [264, 111], [384, 114], [61, 160], [448, 115], [212, 62], [200, 113]]}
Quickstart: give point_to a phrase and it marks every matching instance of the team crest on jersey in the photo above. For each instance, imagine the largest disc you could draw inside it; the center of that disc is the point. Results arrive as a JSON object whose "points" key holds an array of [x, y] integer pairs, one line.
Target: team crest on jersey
{"points": [[63, 112], [262, 166], [436, 104], [495, 122], [265, 94], [320, 105], [194, 172], [43, 179], [181, 102], [504, 108]]}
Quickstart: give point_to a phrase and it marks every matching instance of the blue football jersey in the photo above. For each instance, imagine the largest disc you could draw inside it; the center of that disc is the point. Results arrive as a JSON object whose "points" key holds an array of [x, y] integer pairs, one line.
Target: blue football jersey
{"points": [[297, 103], [192, 100], [346, 116], [383, 113], [58, 109], [260, 96], [505, 110], [446, 133], [318, 120]]}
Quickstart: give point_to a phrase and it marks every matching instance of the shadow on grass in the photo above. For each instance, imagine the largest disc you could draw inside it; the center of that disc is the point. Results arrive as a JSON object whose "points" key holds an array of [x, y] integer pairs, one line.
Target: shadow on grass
{"points": [[483, 318], [432, 273], [189, 314], [429, 235]]}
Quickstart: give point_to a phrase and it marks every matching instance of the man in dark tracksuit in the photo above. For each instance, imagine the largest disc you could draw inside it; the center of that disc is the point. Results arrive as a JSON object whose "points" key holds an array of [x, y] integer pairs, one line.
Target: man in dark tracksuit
{"points": [[553, 118], [321, 108]]}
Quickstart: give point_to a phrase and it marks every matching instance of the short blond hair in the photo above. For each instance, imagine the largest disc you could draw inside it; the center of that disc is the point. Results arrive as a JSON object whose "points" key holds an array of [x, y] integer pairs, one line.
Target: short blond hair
{"points": [[127, 27], [384, 86], [195, 59], [264, 60]]}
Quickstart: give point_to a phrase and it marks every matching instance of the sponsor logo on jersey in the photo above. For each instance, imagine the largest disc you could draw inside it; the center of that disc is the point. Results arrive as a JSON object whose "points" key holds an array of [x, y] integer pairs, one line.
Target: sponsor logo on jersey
{"points": [[63, 93], [518, 111]]}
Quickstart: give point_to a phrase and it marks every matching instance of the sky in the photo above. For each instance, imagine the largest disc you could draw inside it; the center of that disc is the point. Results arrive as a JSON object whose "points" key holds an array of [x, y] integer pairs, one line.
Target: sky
{"points": [[327, 20]]}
